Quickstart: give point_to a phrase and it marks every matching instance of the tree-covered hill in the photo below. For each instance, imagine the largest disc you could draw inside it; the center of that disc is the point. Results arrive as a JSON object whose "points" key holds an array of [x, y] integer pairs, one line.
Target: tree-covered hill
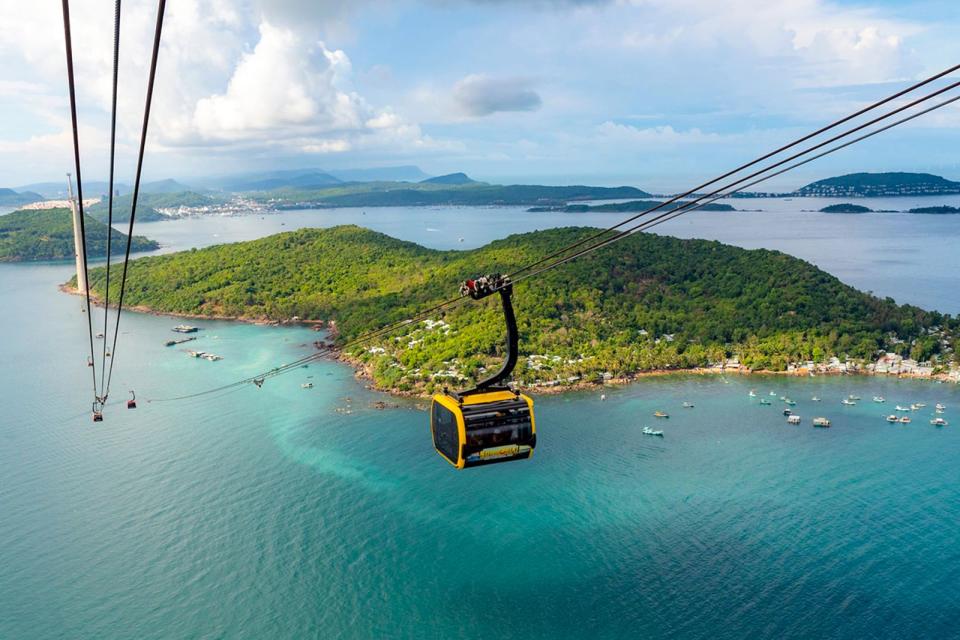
{"points": [[845, 207], [881, 184], [648, 302], [11, 198], [47, 234], [147, 205]]}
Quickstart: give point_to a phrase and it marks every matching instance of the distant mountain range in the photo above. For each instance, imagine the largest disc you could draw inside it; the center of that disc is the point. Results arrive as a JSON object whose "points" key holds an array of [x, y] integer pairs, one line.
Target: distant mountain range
{"points": [[11, 198]]}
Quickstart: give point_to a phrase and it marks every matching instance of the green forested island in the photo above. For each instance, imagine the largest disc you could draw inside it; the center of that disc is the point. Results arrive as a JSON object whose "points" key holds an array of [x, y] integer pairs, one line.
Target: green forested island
{"points": [[47, 234], [941, 209], [881, 185], [395, 194], [646, 303], [629, 207], [11, 198], [845, 207], [147, 205]]}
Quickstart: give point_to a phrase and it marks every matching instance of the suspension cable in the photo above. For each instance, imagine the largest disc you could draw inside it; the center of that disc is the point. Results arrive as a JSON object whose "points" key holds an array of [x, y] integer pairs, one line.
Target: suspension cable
{"points": [[68, 40], [680, 210], [113, 148], [753, 175], [161, 5], [766, 156]]}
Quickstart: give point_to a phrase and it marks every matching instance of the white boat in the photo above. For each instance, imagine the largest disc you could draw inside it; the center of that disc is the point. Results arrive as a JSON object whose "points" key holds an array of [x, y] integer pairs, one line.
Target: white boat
{"points": [[939, 422], [823, 423], [764, 401], [307, 385], [815, 399], [184, 328], [920, 405], [789, 402], [793, 419], [212, 357], [892, 418], [915, 407], [647, 431], [940, 407], [879, 399], [853, 397], [753, 394], [688, 405], [905, 419], [773, 393], [899, 408], [603, 397], [848, 402], [939, 410]]}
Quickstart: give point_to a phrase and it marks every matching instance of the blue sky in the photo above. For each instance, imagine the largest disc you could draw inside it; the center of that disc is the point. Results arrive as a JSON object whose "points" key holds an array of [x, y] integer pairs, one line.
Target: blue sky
{"points": [[655, 93]]}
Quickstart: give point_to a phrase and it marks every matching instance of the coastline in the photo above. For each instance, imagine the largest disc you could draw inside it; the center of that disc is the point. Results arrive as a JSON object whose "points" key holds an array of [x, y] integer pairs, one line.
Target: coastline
{"points": [[362, 370]]}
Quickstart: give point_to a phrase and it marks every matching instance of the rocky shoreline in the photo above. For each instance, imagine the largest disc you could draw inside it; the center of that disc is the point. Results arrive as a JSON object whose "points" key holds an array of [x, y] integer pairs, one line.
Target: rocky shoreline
{"points": [[886, 366]]}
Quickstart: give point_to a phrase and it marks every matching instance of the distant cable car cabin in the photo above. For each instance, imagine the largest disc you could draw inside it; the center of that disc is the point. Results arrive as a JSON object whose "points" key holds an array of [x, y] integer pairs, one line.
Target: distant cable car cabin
{"points": [[490, 423], [132, 402], [97, 413]]}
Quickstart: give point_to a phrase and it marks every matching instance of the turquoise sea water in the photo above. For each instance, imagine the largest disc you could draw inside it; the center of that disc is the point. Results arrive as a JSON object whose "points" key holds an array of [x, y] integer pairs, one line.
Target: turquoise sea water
{"points": [[292, 513]]}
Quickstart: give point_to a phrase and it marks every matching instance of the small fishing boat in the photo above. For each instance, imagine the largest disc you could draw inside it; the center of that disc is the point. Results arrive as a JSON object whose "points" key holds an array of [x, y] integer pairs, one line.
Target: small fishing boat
{"points": [[688, 405], [793, 419], [892, 418], [940, 407], [899, 408], [823, 423], [184, 328], [212, 357], [853, 397], [815, 399], [753, 394], [939, 422], [773, 393], [939, 410], [905, 420], [915, 407], [603, 397], [848, 402], [787, 412], [920, 405], [764, 401], [307, 385], [647, 431], [790, 402], [879, 399], [660, 414]]}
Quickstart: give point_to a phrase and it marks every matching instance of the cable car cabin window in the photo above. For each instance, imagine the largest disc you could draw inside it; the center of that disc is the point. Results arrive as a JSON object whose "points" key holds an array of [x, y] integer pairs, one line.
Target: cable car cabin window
{"points": [[498, 424], [445, 436]]}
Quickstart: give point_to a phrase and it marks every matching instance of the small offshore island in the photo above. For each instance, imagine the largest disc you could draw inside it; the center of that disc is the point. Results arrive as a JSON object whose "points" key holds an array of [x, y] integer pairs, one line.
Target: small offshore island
{"points": [[653, 304]]}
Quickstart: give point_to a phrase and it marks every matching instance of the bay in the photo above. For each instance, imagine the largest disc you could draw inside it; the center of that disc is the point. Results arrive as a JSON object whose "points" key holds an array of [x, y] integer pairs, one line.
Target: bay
{"points": [[287, 512]]}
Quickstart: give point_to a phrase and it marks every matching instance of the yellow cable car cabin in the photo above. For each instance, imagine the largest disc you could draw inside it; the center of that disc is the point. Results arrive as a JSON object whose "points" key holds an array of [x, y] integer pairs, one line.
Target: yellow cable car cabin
{"points": [[490, 423]]}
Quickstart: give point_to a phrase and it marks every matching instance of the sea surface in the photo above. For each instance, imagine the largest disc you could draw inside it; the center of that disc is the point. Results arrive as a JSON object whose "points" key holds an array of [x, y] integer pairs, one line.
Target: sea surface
{"points": [[285, 512]]}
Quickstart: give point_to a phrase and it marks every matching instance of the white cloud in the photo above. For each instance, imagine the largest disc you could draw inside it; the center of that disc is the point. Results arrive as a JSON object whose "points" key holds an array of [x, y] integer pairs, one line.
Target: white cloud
{"points": [[481, 95]]}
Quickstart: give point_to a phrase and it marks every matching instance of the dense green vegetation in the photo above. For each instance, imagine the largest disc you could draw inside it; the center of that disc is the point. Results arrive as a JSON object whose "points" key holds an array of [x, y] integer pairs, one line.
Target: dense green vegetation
{"points": [[389, 194], [648, 302], [47, 234], [147, 205], [845, 207], [881, 184], [630, 207], [941, 209]]}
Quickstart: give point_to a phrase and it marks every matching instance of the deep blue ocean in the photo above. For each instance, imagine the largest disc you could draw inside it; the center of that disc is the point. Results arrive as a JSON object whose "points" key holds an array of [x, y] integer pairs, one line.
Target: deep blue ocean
{"points": [[308, 513]]}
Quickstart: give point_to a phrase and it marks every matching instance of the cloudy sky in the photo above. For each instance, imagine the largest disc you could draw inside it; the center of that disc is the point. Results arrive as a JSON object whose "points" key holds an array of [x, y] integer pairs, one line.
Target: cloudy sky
{"points": [[654, 93]]}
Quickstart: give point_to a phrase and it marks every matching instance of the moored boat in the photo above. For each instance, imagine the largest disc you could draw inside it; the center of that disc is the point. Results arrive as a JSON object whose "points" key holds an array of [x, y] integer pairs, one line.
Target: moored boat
{"points": [[823, 423], [764, 401], [900, 408], [892, 418], [879, 399], [688, 405], [790, 402], [940, 407], [647, 431], [815, 399], [939, 422], [184, 328], [905, 420], [848, 402], [660, 414], [791, 419], [787, 412]]}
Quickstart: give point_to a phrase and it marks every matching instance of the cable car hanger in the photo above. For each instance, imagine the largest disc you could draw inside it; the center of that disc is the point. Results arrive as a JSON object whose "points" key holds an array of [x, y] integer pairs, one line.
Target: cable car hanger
{"points": [[491, 422]]}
